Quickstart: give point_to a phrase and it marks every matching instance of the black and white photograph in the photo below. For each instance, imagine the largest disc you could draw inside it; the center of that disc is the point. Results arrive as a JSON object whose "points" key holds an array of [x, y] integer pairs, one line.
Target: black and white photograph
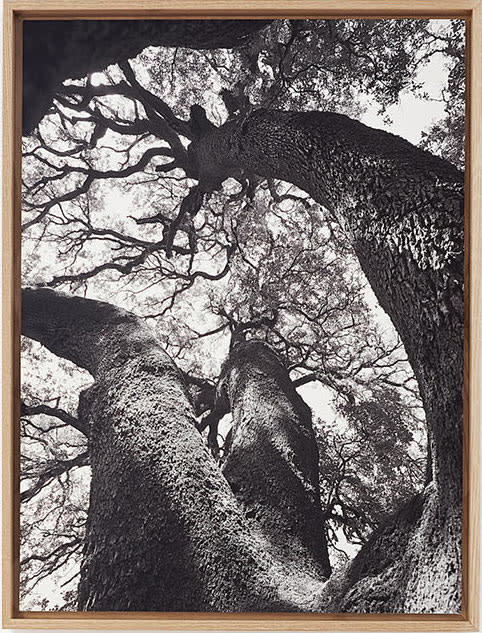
{"points": [[242, 354]]}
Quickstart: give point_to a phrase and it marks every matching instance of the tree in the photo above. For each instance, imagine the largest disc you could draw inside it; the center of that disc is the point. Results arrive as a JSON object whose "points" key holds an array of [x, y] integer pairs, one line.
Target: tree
{"points": [[73, 50], [182, 503], [401, 210], [447, 137]]}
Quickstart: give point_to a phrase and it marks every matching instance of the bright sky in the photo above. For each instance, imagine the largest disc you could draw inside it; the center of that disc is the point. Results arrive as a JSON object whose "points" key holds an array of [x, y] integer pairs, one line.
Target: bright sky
{"points": [[412, 115]]}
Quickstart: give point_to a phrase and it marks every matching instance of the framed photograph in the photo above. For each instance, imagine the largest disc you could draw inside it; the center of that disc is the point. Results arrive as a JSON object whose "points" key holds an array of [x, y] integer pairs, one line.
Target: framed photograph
{"points": [[241, 315]]}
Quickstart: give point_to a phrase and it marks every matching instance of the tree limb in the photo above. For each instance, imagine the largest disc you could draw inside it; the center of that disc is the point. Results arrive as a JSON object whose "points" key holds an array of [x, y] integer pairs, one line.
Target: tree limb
{"points": [[43, 409]]}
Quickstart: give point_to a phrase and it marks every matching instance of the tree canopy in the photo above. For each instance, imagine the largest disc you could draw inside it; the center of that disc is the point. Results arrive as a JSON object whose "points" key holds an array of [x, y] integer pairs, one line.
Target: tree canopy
{"points": [[120, 204]]}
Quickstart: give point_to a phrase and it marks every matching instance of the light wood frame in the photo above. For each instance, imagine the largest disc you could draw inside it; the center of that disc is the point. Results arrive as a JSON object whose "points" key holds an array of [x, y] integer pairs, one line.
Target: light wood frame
{"points": [[18, 10]]}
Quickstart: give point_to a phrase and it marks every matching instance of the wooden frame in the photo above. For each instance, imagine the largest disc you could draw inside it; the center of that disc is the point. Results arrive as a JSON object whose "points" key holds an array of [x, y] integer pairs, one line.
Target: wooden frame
{"points": [[17, 10]]}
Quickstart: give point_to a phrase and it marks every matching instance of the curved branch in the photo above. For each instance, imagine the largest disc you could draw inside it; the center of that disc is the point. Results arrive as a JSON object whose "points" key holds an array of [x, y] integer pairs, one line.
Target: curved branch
{"points": [[79, 47], [155, 103], [43, 409]]}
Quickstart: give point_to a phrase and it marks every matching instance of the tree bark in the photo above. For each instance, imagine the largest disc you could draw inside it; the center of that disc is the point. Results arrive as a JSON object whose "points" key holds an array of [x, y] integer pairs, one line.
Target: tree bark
{"points": [[273, 463], [404, 212], [54, 50], [164, 530]]}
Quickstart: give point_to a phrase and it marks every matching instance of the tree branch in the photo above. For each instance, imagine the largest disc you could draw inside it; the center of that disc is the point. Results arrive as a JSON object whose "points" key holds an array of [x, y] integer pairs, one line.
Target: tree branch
{"points": [[53, 471], [94, 174], [43, 409]]}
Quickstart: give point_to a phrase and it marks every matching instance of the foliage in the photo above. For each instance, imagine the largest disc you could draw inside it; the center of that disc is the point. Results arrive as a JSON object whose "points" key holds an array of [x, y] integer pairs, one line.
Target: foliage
{"points": [[113, 210], [371, 465], [447, 137]]}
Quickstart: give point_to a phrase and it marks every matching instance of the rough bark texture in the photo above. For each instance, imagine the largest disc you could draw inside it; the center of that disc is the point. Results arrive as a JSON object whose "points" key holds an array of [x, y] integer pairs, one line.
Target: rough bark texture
{"points": [[403, 210], [165, 531], [411, 564], [57, 50], [273, 464]]}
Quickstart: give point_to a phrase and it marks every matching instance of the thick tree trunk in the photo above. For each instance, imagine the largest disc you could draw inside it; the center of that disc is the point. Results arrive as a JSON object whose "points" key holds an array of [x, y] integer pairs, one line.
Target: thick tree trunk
{"points": [[54, 50], [403, 210], [411, 564], [273, 464], [164, 531]]}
